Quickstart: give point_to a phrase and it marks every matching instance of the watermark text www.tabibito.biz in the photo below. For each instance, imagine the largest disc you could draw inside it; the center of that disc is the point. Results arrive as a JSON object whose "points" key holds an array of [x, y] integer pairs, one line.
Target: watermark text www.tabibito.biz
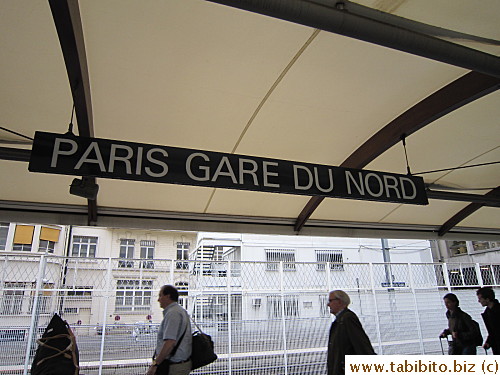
{"points": [[422, 364]]}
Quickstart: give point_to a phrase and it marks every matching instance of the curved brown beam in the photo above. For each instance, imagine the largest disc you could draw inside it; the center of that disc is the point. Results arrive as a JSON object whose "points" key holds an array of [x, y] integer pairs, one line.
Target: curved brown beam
{"points": [[465, 212], [458, 93], [66, 15], [345, 18]]}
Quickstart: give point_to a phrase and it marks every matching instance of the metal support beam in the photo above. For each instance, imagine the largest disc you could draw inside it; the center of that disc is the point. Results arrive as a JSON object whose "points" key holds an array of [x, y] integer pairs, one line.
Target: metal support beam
{"points": [[338, 17], [66, 14], [63, 214], [460, 92], [467, 211], [14, 154], [488, 200]]}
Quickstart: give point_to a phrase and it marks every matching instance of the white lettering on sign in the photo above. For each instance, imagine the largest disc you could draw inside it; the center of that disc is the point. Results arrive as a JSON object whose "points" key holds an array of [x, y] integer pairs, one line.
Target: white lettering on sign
{"points": [[206, 170], [393, 186], [57, 150], [267, 173], [379, 184], [246, 167], [390, 185], [98, 157], [413, 188], [131, 161], [224, 163], [296, 177], [311, 179], [350, 178], [250, 172], [316, 179], [125, 159], [150, 158], [138, 162]]}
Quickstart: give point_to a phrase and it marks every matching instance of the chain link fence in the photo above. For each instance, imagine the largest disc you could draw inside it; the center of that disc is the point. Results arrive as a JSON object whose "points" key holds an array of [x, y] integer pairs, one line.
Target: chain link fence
{"points": [[264, 317]]}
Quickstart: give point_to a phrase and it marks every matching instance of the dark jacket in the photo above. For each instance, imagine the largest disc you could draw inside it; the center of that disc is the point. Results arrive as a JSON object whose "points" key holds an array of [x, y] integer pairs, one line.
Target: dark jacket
{"points": [[346, 337], [491, 319], [460, 322]]}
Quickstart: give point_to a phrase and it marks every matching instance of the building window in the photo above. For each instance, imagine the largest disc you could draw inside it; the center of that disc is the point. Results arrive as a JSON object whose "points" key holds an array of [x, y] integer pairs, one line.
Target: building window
{"points": [[21, 247], [182, 254], [334, 257], [12, 300], [183, 288], [84, 246], [23, 237], [291, 306], [485, 245], [44, 298], [457, 247], [324, 310], [46, 246], [48, 239], [4, 230], [126, 252], [80, 292], [147, 252], [464, 247], [133, 295], [279, 255]]}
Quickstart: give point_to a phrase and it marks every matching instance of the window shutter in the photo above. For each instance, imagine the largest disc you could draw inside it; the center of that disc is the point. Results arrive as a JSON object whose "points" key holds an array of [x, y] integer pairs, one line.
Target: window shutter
{"points": [[49, 234], [24, 234]]}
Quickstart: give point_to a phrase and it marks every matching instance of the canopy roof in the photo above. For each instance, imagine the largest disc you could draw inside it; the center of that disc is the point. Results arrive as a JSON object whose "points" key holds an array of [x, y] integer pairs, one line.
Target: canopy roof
{"points": [[324, 82]]}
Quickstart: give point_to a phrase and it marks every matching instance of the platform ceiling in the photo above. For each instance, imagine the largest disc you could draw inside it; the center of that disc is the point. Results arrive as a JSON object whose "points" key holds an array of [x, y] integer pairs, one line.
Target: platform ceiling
{"points": [[208, 76]]}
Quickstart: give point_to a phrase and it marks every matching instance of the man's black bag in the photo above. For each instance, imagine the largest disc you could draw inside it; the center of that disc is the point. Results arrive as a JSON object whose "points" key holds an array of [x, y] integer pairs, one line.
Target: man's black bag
{"points": [[203, 350], [478, 338], [57, 353]]}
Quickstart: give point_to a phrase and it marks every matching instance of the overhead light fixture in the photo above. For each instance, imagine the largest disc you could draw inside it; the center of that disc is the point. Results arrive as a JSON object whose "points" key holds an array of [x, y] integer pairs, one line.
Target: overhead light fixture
{"points": [[85, 188]]}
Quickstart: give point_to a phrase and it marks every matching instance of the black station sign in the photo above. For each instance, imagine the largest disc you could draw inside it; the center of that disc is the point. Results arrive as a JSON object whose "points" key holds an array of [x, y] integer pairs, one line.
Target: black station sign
{"points": [[79, 156]]}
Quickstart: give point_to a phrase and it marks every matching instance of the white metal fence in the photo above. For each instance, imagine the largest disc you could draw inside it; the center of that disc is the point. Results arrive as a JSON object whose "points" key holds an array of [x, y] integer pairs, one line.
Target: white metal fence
{"points": [[263, 318]]}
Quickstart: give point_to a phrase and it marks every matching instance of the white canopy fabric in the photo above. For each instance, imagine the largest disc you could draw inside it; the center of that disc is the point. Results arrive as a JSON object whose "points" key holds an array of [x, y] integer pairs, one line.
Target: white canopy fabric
{"points": [[207, 76]]}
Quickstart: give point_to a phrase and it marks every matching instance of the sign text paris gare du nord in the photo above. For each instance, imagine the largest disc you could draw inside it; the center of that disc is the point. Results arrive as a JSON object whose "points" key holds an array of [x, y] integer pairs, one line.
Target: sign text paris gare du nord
{"points": [[71, 155]]}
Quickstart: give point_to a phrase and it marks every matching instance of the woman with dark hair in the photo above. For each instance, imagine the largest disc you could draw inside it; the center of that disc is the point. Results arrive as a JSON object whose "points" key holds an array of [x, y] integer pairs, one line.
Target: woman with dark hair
{"points": [[460, 327]]}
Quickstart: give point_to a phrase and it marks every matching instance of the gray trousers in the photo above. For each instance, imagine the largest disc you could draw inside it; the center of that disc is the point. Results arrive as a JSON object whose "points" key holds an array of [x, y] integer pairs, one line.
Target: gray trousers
{"points": [[180, 368]]}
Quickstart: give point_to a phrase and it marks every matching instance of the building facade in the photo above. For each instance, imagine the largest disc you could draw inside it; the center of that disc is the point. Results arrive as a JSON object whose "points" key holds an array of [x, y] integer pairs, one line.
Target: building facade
{"points": [[80, 263], [304, 263]]}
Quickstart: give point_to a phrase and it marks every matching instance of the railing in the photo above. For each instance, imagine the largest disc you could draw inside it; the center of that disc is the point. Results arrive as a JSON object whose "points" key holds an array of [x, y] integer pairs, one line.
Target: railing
{"points": [[262, 319]]}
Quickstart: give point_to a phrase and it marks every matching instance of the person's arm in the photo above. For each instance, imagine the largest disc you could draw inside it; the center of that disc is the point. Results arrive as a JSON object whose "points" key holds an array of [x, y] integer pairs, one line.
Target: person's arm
{"points": [[445, 333], [167, 347]]}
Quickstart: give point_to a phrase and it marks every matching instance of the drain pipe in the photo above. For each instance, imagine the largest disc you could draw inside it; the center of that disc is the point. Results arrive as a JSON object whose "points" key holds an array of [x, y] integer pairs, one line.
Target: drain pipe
{"points": [[339, 17]]}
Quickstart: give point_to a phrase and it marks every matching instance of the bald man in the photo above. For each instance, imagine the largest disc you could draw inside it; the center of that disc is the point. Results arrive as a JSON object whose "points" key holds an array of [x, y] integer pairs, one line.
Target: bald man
{"points": [[346, 334]]}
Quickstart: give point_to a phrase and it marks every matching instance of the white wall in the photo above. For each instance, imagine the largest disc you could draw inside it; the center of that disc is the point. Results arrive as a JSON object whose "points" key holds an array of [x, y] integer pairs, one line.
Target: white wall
{"points": [[364, 250], [354, 249]]}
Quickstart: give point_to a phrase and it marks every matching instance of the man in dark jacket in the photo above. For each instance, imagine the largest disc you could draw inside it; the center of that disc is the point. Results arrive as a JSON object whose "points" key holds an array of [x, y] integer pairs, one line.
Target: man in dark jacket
{"points": [[346, 334], [491, 317]]}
